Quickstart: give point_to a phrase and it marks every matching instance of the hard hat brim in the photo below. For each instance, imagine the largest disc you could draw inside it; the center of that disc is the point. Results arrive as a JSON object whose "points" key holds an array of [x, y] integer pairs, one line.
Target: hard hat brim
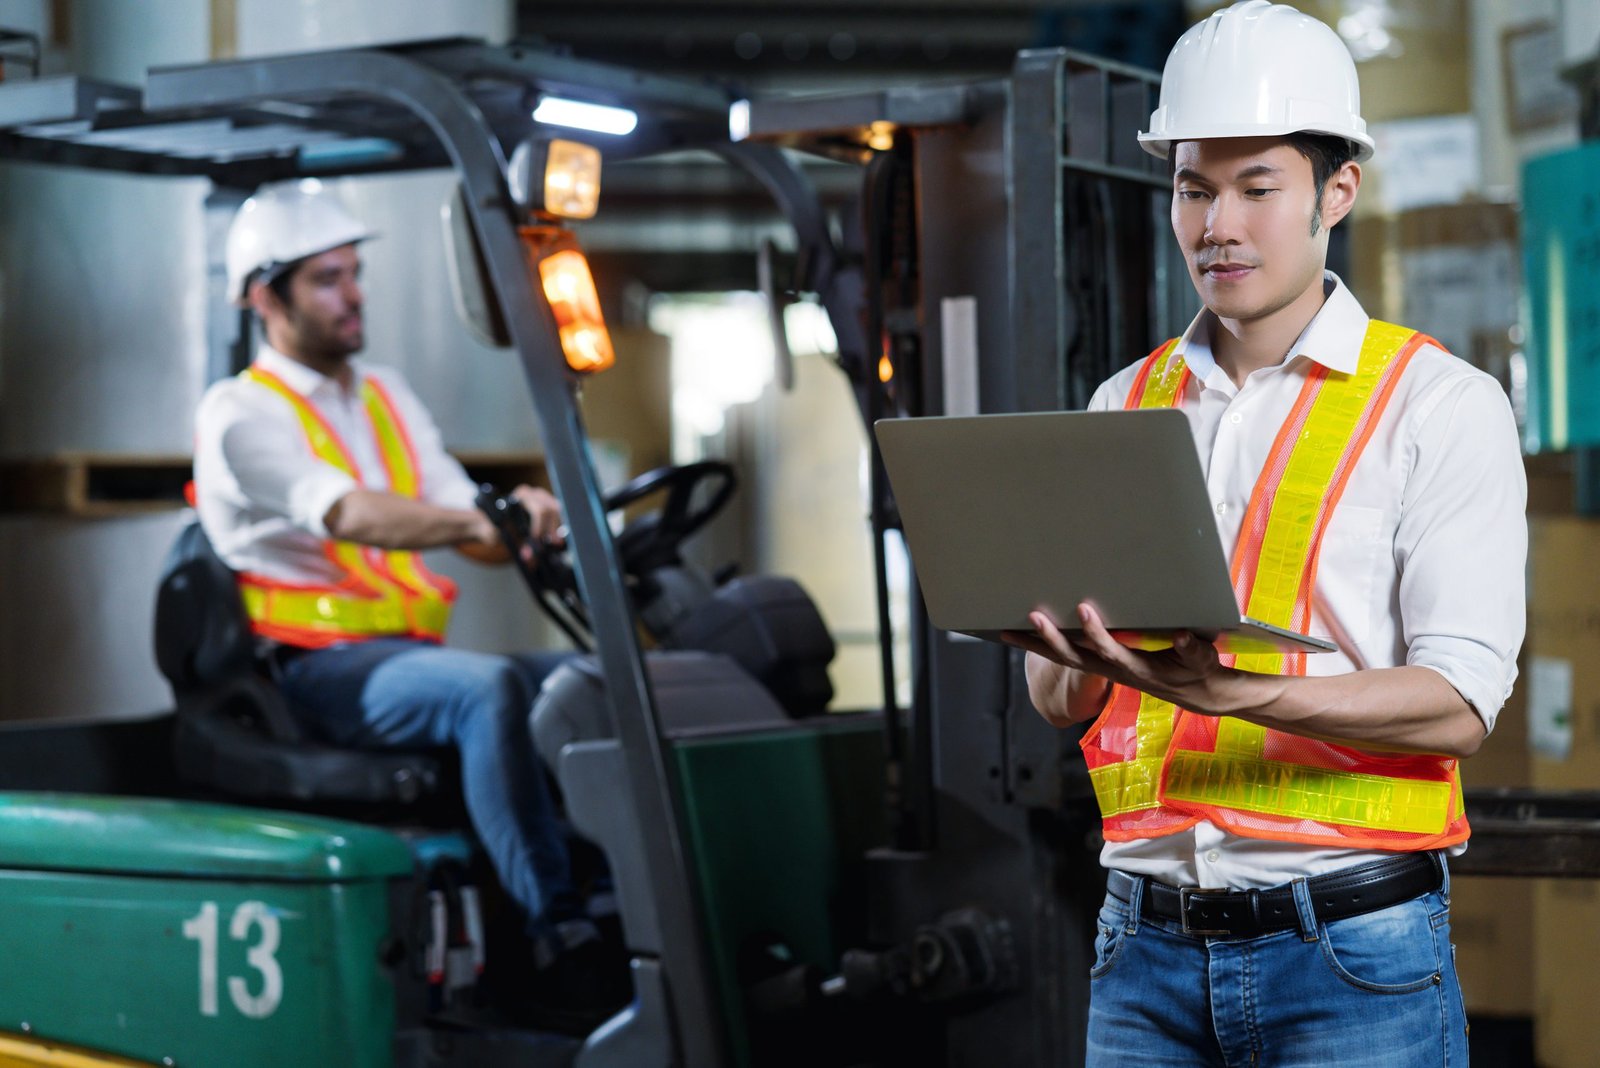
{"points": [[1160, 145]]}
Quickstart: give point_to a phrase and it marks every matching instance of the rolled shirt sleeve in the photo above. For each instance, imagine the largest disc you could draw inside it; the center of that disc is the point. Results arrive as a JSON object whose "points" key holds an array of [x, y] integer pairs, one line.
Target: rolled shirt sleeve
{"points": [[1462, 543], [268, 463]]}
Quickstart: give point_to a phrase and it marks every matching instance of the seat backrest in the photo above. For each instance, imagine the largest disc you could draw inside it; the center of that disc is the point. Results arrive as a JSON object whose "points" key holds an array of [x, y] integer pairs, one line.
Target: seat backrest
{"points": [[202, 634], [235, 731]]}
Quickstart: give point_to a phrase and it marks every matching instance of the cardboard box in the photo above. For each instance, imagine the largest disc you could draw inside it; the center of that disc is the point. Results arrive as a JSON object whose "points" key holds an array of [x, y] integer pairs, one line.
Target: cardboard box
{"points": [[1452, 271], [1566, 1032], [628, 410], [1492, 926], [1551, 489], [1564, 719], [1491, 918], [1564, 633]]}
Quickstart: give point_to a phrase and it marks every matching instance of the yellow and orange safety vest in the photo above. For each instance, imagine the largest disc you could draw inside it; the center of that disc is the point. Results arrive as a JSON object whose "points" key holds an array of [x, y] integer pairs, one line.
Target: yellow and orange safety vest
{"points": [[383, 593], [1158, 769]]}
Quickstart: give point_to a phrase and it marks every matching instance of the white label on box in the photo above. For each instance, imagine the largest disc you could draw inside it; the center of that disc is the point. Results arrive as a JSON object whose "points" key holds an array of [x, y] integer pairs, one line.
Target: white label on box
{"points": [[1434, 160], [1550, 707], [1460, 290]]}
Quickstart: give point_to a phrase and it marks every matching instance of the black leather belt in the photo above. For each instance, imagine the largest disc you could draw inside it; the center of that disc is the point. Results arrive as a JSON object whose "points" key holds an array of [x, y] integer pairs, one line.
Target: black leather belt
{"points": [[1247, 913]]}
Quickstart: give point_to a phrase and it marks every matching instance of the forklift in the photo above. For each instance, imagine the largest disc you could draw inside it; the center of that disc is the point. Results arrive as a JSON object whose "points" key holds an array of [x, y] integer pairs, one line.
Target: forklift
{"points": [[797, 885]]}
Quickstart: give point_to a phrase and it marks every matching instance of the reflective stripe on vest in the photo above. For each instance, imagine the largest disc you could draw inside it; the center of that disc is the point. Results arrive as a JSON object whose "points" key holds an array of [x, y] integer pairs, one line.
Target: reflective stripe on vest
{"points": [[382, 593], [1157, 769]]}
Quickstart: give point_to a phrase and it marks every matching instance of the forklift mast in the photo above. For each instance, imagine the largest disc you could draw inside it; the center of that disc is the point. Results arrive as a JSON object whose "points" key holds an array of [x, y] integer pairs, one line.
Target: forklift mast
{"points": [[1014, 253]]}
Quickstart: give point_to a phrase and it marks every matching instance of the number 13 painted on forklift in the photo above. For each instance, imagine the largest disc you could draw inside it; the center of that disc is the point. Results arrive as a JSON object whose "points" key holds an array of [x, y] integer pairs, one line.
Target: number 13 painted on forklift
{"points": [[261, 957]]}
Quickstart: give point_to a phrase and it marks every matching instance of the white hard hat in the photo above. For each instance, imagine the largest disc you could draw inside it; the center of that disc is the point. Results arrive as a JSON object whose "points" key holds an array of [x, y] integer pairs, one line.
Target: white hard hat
{"points": [[281, 225], [1258, 69]]}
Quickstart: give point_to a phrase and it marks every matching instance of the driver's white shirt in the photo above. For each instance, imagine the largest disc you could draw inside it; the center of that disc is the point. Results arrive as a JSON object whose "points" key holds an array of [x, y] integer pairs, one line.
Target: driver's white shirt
{"points": [[261, 493]]}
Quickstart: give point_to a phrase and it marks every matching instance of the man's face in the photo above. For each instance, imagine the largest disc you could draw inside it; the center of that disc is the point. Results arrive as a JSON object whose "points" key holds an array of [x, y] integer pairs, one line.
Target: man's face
{"points": [[1242, 210], [323, 315]]}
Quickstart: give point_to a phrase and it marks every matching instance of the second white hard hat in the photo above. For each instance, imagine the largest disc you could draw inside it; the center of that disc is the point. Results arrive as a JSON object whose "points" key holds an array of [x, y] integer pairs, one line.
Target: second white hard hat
{"points": [[1258, 69], [282, 224]]}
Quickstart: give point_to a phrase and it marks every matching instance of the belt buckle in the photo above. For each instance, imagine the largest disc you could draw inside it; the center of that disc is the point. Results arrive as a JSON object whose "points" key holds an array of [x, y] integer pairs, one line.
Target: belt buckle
{"points": [[1187, 892]]}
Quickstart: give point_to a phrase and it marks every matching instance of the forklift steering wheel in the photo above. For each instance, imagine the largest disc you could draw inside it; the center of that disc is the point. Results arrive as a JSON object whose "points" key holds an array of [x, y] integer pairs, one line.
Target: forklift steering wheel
{"points": [[652, 540]]}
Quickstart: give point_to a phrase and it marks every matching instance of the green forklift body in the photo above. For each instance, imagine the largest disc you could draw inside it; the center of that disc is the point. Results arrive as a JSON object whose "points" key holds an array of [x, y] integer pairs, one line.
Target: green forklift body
{"points": [[195, 934], [779, 823]]}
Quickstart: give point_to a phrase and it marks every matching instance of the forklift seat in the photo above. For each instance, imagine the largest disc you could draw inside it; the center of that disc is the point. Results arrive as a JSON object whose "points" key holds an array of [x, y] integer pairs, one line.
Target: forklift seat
{"points": [[235, 731], [769, 626]]}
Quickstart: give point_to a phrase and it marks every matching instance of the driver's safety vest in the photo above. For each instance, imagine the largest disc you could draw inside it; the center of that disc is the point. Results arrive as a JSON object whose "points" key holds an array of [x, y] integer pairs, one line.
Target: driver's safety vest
{"points": [[1158, 769], [382, 593]]}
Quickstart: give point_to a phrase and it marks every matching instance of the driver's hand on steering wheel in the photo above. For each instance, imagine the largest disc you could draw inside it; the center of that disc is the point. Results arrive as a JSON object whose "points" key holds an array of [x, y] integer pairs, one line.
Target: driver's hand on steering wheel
{"points": [[544, 514]]}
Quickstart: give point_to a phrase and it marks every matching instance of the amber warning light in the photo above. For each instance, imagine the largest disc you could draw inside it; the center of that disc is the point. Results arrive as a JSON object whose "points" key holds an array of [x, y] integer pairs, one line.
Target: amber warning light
{"points": [[569, 287]]}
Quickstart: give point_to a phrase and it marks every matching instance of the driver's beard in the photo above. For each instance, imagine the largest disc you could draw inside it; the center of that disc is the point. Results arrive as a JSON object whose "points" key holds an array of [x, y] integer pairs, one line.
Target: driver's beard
{"points": [[325, 346]]}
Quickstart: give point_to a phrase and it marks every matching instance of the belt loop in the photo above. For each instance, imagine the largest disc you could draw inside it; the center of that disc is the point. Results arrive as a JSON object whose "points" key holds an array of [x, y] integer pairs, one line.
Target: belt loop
{"points": [[1135, 903], [1303, 909]]}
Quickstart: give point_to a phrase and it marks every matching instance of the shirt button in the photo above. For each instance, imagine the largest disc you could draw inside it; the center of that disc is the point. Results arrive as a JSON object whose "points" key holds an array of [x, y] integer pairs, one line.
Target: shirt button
{"points": [[1222, 507], [1213, 856], [1235, 417]]}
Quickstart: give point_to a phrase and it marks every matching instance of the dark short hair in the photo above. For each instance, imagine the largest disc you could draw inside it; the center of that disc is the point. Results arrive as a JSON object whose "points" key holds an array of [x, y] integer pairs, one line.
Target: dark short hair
{"points": [[279, 283], [1326, 154]]}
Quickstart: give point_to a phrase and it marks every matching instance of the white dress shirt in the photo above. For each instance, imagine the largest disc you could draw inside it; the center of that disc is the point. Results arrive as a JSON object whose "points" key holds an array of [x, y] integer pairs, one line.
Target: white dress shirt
{"points": [[1422, 563], [263, 495]]}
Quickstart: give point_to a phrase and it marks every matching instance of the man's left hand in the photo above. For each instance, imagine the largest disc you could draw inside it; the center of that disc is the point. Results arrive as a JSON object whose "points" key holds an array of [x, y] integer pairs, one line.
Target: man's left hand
{"points": [[1184, 674]]}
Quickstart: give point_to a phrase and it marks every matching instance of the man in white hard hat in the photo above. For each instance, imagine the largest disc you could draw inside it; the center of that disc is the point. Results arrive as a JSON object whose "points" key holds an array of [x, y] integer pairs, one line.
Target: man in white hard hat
{"points": [[1278, 826], [317, 477]]}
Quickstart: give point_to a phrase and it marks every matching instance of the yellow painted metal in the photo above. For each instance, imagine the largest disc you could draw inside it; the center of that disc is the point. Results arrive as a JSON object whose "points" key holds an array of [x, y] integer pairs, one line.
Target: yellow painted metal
{"points": [[23, 1051]]}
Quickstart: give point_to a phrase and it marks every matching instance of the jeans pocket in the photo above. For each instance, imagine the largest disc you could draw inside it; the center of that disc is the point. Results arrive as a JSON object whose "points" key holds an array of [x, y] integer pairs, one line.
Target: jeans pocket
{"points": [[1391, 951], [1111, 929]]}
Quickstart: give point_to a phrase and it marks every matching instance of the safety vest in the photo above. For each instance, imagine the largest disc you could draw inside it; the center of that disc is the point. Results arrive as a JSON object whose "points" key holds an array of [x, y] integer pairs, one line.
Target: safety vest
{"points": [[1158, 769], [383, 593]]}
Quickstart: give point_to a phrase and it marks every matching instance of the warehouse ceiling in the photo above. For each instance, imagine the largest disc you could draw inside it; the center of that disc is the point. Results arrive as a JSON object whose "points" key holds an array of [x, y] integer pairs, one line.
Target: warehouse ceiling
{"points": [[711, 218], [832, 45]]}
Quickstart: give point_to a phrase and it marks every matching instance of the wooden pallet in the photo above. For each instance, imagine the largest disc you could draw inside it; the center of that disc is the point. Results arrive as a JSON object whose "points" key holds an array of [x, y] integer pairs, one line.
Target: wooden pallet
{"points": [[93, 485], [90, 485]]}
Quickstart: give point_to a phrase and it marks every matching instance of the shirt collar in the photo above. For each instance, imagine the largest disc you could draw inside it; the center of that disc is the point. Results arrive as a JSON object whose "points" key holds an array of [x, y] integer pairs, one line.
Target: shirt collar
{"points": [[296, 375], [1332, 338]]}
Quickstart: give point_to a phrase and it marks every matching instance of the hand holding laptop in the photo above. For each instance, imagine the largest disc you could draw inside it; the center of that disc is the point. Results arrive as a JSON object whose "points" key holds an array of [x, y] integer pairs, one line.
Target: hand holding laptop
{"points": [[1099, 657]]}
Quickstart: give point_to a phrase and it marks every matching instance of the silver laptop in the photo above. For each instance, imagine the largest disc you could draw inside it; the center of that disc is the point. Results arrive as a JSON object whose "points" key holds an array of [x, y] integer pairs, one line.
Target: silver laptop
{"points": [[1007, 513]]}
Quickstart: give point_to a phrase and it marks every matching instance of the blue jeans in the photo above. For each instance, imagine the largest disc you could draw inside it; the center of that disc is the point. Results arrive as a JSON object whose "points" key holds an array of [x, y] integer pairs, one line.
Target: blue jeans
{"points": [[1376, 990], [398, 693]]}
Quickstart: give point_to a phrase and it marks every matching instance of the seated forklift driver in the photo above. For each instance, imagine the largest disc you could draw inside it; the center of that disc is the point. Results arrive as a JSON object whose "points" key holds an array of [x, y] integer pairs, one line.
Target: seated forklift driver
{"points": [[1277, 827], [316, 478]]}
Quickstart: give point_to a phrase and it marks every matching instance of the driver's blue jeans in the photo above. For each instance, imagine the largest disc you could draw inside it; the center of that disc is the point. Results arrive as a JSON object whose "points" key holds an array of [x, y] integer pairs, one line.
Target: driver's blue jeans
{"points": [[395, 693], [1371, 991]]}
